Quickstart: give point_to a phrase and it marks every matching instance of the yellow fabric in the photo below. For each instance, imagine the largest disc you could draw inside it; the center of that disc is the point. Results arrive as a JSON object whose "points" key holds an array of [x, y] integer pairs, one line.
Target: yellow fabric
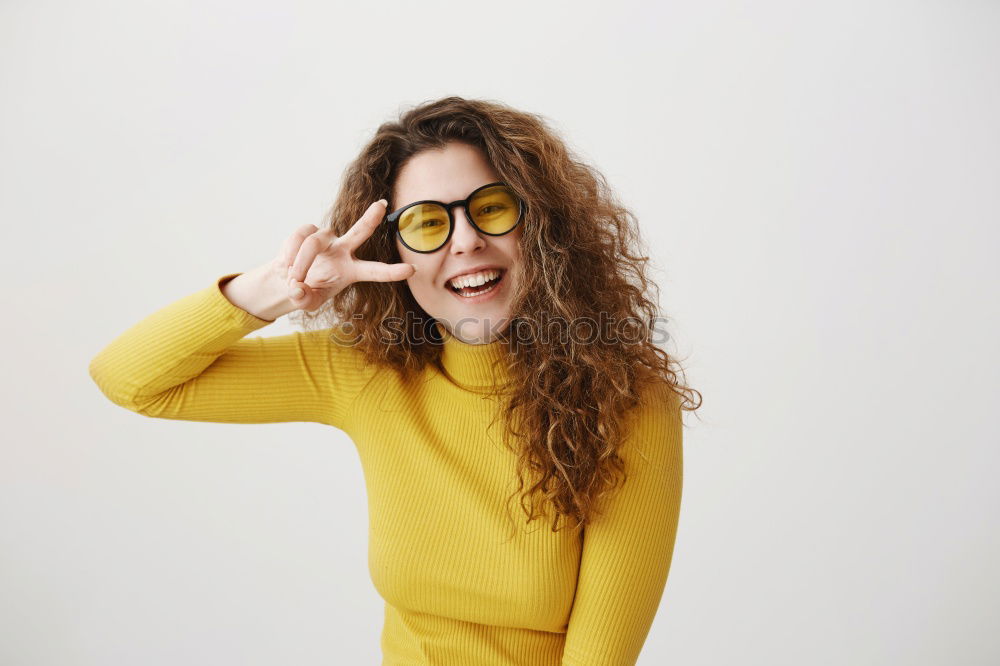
{"points": [[457, 589]]}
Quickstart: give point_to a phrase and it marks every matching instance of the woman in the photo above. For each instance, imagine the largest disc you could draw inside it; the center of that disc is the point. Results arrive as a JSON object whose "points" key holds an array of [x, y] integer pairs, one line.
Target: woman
{"points": [[495, 345]]}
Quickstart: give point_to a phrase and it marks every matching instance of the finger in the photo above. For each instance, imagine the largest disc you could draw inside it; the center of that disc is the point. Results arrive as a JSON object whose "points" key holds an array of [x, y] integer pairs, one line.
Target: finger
{"points": [[311, 246], [376, 271], [299, 293], [366, 225], [291, 246]]}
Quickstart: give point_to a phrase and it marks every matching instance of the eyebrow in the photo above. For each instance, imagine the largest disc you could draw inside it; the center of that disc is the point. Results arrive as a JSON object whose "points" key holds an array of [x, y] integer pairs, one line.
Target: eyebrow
{"points": [[393, 209]]}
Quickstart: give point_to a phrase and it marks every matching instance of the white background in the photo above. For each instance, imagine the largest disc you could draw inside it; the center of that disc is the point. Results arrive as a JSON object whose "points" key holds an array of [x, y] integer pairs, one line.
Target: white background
{"points": [[818, 185]]}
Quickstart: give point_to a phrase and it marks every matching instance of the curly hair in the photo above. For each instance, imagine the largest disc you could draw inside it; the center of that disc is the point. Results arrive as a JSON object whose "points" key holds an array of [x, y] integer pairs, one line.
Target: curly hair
{"points": [[565, 402]]}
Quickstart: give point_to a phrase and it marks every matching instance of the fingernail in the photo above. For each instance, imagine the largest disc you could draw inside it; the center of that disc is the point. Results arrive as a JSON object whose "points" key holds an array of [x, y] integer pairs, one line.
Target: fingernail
{"points": [[298, 292], [383, 202], [414, 268]]}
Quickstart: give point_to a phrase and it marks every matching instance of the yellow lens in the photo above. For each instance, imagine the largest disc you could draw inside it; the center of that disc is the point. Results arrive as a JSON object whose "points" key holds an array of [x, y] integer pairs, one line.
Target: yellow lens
{"points": [[424, 226], [495, 210]]}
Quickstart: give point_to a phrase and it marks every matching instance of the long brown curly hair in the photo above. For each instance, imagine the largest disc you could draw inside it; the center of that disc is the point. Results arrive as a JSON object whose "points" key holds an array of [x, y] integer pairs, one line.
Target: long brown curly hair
{"points": [[565, 402]]}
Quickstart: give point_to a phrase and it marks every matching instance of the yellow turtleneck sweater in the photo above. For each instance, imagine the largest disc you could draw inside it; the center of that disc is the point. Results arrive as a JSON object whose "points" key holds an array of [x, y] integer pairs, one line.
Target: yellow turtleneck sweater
{"points": [[458, 591]]}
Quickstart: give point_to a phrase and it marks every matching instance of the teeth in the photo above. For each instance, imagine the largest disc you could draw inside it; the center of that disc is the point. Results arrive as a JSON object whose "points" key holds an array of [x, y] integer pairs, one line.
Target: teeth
{"points": [[477, 293], [475, 279]]}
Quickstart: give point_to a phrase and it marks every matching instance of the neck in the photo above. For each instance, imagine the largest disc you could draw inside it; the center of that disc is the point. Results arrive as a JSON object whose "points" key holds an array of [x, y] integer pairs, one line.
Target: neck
{"points": [[471, 334], [474, 366]]}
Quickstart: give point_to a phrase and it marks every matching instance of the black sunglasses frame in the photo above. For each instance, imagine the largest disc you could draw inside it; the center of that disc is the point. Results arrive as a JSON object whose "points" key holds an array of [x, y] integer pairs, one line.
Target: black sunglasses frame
{"points": [[393, 217]]}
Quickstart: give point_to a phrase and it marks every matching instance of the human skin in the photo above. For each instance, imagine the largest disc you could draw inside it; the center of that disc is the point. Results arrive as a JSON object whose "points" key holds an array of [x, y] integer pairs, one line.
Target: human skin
{"points": [[312, 266], [446, 175], [319, 264]]}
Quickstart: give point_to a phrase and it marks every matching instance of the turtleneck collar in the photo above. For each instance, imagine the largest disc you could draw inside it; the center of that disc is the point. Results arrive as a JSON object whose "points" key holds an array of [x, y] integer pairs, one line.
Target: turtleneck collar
{"points": [[470, 365]]}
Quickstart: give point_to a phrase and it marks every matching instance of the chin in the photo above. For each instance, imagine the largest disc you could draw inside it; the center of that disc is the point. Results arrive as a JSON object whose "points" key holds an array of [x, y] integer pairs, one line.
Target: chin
{"points": [[475, 319], [471, 325]]}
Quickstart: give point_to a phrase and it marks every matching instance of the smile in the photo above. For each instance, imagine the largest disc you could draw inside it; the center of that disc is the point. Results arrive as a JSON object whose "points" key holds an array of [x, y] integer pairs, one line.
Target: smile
{"points": [[480, 292]]}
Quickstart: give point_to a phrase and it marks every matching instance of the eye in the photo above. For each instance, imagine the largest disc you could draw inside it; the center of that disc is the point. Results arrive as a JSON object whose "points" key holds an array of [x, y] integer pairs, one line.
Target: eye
{"points": [[430, 224], [486, 210]]}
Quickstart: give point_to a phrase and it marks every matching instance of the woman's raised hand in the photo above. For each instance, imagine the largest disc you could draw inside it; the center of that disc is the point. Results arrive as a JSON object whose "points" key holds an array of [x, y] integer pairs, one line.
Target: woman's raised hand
{"points": [[317, 264]]}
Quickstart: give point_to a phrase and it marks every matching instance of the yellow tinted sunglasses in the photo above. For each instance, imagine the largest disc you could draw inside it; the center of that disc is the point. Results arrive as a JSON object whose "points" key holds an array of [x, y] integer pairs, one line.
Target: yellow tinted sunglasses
{"points": [[425, 226]]}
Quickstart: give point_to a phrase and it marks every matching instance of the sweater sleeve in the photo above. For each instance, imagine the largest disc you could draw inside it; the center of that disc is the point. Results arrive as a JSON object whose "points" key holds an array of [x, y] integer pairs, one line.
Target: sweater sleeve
{"points": [[189, 361], [627, 550]]}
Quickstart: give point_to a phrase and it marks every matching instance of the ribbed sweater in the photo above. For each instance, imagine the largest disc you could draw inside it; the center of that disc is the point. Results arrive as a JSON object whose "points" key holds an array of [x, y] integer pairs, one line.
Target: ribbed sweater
{"points": [[459, 589]]}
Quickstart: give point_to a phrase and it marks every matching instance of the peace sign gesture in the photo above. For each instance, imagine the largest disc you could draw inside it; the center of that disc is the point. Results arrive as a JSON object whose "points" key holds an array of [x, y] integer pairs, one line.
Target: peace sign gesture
{"points": [[322, 265]]}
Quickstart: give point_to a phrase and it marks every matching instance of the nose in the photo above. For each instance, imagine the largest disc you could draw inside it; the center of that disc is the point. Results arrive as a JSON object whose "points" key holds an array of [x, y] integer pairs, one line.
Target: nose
{"points": [[465, 237]]}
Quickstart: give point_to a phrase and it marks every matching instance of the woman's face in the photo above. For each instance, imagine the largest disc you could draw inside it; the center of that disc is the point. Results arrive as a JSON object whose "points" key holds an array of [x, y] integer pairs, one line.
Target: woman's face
{"points": [[447, 175]]}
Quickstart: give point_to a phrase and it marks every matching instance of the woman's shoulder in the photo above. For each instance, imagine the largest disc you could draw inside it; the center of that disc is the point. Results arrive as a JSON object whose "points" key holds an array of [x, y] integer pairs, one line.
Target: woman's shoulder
{"points": [[656, 395], [337, 345], [339, 334], [656, 421]]}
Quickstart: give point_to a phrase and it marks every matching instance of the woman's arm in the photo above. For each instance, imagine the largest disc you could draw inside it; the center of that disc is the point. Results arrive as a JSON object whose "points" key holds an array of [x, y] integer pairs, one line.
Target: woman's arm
{"points": [[627, 550], [189, 361]]}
